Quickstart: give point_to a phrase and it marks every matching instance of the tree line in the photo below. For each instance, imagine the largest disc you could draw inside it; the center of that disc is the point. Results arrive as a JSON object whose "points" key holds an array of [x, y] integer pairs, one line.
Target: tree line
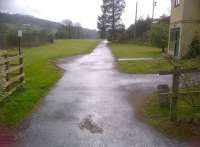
{"points": [[148, 30], [72, 30], [37, 31], [154, 32], [32, 36]]}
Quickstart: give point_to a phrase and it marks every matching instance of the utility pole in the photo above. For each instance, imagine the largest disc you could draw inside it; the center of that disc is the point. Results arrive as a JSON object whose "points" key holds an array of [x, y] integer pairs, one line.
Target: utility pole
{"points": [[136, 11], [154, 5]]}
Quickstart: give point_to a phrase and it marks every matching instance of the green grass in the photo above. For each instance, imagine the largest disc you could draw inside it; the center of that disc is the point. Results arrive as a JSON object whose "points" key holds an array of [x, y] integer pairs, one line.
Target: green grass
{"points": [[134, 51], [190, 63], [128, 50], [41, 75], [159, 117], [143, 67]]}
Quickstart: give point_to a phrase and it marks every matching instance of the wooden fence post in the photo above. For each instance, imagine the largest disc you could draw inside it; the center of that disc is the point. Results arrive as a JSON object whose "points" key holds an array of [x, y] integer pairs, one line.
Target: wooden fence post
{"points": [[173, 106], [175, 88], [6, 68], [11, 79], [22, 68]]}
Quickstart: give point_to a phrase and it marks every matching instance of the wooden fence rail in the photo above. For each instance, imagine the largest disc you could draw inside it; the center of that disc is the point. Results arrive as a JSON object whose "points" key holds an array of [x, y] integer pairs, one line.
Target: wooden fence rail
{"points": [[11, 72], [177, 72]]}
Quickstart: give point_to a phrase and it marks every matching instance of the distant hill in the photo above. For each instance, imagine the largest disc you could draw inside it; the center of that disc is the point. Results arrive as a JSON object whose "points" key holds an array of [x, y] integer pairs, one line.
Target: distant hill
{"points": [[37, 31], [19, 19], [30, 21]]}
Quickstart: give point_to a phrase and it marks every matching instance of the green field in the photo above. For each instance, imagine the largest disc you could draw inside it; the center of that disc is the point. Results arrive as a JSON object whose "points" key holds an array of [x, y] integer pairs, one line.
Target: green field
{"points": [[128, 50], [41, 75], [144, 67]]}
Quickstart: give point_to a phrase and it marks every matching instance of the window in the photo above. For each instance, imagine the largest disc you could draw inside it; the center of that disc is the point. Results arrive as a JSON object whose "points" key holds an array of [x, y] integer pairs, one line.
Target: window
{"points": [[177, 3]]}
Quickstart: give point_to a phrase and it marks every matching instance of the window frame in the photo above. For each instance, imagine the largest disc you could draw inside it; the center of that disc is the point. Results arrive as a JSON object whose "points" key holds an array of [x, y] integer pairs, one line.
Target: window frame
{"points": [[177, 3]]}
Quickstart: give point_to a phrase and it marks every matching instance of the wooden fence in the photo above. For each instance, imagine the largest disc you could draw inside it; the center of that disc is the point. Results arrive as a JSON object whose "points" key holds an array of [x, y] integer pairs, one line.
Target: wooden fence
{"points": [[177, 72], [11, 72]]}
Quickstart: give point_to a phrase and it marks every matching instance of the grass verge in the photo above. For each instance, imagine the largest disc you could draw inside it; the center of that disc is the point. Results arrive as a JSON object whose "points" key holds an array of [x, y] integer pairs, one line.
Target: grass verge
{"points": [[190, 63], [128, 50], [41, 75], [159, 117], [144, 67]]}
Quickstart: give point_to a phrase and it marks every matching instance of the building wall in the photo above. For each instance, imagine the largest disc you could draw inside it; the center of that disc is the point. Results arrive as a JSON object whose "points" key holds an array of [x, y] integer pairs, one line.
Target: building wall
{"points": [[191, 23], [187, 34], [187, 18], [191, 10], [176, 12]]}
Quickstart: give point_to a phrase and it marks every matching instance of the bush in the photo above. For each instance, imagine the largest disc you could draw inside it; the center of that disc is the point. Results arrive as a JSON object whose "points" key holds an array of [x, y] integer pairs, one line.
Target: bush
{"points": [[2, 41], [3, 32], [118, 36], [32, 36], [194, 48], [11, 38], [159, 35], [51, 38]]}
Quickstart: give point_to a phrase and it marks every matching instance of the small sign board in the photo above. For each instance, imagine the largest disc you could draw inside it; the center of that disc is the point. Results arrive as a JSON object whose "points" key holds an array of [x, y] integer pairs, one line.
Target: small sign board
{"points": [[19, 33]]}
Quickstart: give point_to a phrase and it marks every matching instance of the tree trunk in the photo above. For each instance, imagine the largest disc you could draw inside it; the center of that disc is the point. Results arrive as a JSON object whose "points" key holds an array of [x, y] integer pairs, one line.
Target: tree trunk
{"points": [[113, 19], [163, 50]]}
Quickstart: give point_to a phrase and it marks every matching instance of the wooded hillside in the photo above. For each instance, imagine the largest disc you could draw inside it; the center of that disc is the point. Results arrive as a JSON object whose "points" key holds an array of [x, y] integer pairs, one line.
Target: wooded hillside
{"points": [[38, 31]]}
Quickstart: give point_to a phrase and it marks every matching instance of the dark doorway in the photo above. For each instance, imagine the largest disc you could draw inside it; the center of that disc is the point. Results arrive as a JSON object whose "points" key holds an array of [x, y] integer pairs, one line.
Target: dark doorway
{"points": [[175, 40]]}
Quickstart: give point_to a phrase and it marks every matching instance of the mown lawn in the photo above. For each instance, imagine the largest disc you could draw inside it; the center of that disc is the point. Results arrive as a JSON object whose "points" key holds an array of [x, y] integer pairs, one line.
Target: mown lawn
{"points": [[190, 63], [41, 75], [128, 50], [144, 67]]}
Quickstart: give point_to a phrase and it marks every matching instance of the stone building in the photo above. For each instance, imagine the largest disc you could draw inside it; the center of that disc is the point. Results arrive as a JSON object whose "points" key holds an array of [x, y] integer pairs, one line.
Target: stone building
{"points": [[184, 24]]}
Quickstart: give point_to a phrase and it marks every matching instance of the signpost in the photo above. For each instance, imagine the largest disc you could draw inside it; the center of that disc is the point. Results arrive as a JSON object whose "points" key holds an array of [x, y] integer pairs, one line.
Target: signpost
{"points": [[136, 12], [20, 53], [19, 37], [154, 5]]}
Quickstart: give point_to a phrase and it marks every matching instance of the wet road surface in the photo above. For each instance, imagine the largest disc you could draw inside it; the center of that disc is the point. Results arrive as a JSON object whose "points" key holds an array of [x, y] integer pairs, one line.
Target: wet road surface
{"points": [[93, 106]]}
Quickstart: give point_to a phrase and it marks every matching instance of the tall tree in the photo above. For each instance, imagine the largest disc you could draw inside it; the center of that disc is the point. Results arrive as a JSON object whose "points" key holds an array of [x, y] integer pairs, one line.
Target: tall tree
{"points": [[68, 26], [102, 21], [102, 26], [110, 20]]}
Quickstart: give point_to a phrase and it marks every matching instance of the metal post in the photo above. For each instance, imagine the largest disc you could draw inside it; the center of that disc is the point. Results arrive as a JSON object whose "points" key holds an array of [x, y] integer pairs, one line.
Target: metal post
{"points": [[153, 11], [20, 58], [136, 11]]}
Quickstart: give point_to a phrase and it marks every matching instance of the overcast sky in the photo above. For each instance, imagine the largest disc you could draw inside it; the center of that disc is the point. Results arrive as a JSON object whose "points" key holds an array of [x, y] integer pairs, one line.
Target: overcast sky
{"points": [[82, 11]]}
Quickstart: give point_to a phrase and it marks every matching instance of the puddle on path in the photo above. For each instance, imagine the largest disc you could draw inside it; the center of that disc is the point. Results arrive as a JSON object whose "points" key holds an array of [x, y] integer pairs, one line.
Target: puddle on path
{"points": [[89, 124]]}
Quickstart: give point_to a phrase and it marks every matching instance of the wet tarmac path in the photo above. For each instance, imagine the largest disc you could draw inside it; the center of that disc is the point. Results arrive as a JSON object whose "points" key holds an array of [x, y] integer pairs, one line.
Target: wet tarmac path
{"points": [[92, 105]]}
